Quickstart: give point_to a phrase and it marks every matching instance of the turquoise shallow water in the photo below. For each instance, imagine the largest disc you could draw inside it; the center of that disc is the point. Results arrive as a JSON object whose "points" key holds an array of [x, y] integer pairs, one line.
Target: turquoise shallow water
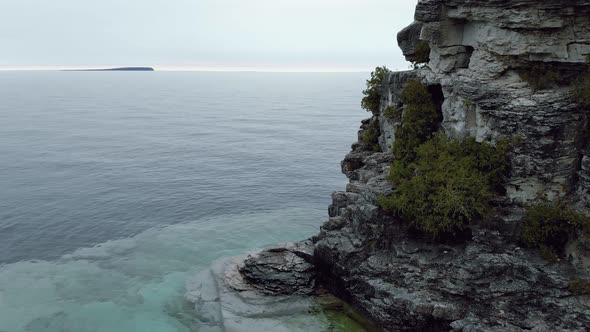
{"points": [[134, 284], [117, 187]]}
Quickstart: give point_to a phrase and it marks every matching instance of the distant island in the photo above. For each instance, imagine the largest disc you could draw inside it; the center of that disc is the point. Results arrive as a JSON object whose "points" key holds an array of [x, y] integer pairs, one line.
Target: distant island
{"points": [[116, 69]]}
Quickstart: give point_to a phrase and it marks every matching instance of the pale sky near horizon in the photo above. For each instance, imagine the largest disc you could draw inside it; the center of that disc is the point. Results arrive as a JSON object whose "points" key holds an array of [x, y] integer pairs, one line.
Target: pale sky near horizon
{"points": [[331, 35]]}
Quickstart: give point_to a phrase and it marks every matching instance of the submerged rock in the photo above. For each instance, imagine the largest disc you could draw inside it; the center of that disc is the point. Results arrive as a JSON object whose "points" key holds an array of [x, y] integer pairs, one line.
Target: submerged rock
{"points": [[225, 302], [268, 291]]}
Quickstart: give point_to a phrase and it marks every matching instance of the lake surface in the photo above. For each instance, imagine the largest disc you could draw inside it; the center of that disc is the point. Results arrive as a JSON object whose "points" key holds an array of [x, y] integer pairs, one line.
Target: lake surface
{"points": [[118, 186]]}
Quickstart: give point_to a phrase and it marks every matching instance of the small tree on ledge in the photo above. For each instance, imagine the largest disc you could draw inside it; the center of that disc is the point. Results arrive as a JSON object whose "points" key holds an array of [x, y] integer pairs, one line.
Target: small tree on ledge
{"points": [[421, 54], [372, 93]]}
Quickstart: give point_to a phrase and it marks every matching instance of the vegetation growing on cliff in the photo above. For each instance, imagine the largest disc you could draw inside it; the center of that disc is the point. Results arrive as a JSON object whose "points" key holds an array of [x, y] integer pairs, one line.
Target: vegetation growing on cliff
{"points": [[579, 286], [582, 90], [540, 76], [422, 54], [391, 112], [442, 184], [549, 226], [370, 136], [419, 121], [469, 103], [372, 93], [582, 86], [448, 185]]}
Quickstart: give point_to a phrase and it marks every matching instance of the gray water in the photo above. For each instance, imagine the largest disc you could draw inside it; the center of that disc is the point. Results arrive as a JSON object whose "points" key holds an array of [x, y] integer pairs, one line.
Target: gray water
{"points": [[118, 186]]}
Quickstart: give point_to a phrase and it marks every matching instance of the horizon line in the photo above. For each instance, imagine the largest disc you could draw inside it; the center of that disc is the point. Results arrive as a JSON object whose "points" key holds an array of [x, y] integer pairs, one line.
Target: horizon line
{"points": [[214, 68], [195, 71]]}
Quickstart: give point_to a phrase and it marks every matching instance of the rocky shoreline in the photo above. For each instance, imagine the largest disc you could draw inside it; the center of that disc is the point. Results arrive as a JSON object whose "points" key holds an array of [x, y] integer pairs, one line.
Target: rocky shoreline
{"points": [[405, 283], [399, 282], [488, 281]]}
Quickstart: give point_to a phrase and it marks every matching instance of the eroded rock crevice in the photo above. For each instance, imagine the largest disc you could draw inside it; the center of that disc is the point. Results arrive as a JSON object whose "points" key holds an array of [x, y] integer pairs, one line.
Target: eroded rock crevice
{"points": [[581, 182], [438, 98]]}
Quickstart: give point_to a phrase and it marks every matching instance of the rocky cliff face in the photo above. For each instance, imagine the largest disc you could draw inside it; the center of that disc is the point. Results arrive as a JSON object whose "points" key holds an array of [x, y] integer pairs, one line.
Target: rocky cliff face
{"points": [[480, 49], [405, 283], [482, 53]]}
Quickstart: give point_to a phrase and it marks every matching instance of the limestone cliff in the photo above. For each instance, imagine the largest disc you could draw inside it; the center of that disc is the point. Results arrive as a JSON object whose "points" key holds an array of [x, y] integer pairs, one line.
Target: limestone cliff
{"points": [[479, 48], [479, 52], [480, 55]]}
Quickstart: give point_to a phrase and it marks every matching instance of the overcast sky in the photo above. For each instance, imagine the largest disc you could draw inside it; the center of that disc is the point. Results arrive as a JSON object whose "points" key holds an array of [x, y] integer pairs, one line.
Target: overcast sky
{"points": [[203, 34]]}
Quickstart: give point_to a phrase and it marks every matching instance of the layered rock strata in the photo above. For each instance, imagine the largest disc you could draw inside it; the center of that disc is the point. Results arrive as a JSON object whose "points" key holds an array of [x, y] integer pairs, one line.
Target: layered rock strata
{"points": [[479, 51], [405, 283]]}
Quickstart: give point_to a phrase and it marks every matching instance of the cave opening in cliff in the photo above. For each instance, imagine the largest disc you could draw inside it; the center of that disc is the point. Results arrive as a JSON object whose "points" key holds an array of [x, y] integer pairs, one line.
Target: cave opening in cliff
{"points": [[438, 98], [467, 57]]}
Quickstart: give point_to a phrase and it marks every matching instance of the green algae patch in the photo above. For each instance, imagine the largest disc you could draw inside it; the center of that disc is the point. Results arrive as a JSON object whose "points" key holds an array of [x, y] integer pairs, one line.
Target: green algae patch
{"points": [[342, 317]]}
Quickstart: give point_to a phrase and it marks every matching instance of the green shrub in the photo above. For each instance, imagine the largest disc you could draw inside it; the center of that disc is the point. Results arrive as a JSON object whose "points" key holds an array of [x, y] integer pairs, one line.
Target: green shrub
{"points": [[422, 54], [548, 254], [371, 135], [442, 184], [448, 185], [549, 226], [419, 121], [540, 76], [579, 286], [582, 86], [372, 93], [582, 90], [391, 112], [468, 103]]}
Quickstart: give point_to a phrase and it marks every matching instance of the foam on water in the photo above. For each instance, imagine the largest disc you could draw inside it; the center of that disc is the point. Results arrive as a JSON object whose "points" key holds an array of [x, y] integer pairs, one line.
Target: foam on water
{"points": [[135, 284]]}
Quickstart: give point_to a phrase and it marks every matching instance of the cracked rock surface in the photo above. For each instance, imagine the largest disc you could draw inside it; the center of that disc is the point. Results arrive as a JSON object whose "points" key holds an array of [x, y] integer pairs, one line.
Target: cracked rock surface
{"points": [[479, 49], [407, 284]]}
